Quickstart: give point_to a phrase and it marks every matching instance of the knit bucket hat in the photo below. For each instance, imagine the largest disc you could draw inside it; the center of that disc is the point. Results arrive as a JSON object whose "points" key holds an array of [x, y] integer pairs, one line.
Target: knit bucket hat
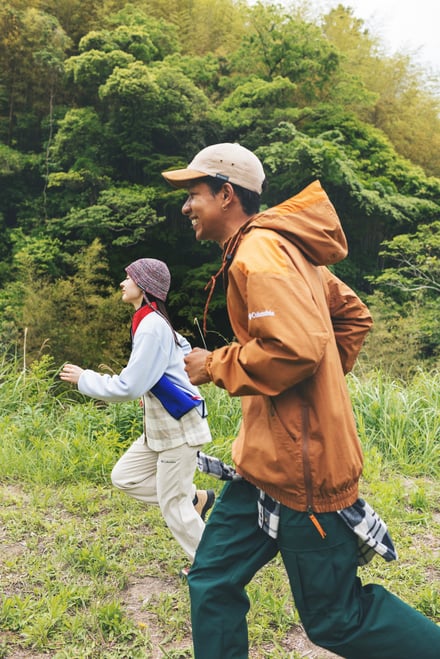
{"points": [[152, 276]]}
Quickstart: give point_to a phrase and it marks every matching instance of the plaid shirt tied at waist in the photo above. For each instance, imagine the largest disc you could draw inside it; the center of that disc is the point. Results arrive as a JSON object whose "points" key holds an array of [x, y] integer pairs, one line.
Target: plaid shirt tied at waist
{"points": [[371, 530]]}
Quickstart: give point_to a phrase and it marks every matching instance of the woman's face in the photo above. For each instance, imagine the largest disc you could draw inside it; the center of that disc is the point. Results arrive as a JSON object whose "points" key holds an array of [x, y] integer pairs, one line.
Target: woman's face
{"points": [[131, 293]]}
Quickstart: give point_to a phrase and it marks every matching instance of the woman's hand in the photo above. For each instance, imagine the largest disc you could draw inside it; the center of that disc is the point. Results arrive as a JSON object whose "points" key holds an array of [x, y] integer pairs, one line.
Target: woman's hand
{"points": [[71, 373]]}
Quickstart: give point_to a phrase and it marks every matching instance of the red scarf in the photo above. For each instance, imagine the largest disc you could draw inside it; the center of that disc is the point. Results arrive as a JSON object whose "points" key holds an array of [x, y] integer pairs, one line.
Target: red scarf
{"points": [[140, 314], [176, 401]]}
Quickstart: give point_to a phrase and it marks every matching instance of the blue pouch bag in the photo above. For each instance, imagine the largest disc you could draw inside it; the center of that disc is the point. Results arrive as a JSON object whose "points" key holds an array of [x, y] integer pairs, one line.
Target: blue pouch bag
{"points": [[175, 400]]}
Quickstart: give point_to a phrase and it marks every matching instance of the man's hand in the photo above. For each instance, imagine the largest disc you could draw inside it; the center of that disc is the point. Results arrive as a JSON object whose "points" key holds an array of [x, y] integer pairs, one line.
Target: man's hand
{"points": [[195, 366]]}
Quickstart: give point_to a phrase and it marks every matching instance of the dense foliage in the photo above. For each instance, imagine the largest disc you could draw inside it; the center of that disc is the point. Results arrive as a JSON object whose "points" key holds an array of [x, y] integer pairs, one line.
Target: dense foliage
{"points": [[97, 98]]}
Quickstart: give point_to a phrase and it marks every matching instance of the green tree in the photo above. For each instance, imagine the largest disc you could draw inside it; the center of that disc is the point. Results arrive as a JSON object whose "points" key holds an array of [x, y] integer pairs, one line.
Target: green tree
{"points": [[20, 184], [150, 108], [142, 34], [400, 102], [76, 17], [79, 163], [410, 284], [415, 262], [87, 71], [121, 218], [80, 142], [407, 112], [131, 36], [32, 50], [367, 197], [256, 106], [76, 318], [277, 44], [204, 26], [208, 72]]}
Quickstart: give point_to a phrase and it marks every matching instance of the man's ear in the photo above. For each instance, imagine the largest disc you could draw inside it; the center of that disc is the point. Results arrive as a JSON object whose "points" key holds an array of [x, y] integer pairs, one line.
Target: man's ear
{"points": [[227, 192]]}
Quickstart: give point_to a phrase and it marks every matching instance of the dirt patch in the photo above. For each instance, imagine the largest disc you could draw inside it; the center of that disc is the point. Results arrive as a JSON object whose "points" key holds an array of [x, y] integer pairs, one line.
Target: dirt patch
{"points": [[140, 592], [135, 598], [297, 641], [12, 550]]}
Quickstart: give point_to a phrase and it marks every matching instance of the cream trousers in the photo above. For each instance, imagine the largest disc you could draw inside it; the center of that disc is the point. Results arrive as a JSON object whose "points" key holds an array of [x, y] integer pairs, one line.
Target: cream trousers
{"points": [[164, 478]]}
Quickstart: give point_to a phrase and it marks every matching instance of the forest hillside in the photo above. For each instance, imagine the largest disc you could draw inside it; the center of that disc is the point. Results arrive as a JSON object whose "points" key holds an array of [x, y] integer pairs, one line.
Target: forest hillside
{"points": [[98, 97]]}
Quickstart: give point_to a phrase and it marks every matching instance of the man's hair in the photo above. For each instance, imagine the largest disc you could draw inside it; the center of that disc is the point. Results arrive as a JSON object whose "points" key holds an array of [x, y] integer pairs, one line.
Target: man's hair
{"points": [[249, 200]]}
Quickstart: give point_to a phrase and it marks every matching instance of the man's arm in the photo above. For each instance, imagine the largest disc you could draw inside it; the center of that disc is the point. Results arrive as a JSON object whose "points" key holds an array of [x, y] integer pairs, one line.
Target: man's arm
{"points": [[282, 339], [350, 317]]}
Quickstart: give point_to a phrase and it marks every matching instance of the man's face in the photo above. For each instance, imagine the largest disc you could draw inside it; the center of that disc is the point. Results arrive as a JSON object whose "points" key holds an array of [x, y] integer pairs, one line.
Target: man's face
{"points": [[204, 209]]}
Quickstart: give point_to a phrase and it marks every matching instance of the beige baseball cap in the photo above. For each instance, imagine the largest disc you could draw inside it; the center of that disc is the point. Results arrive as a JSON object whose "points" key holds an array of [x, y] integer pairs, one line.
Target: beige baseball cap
{"points": [[229, 162]]}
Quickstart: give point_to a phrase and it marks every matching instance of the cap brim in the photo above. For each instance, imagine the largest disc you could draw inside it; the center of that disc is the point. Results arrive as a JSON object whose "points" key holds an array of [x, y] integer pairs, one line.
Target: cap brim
{"points": [[180, 178]]}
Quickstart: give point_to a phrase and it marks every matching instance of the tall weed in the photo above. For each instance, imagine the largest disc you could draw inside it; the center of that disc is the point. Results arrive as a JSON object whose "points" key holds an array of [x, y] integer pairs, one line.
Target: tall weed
{"points": [[51, 434], [401, 419]]}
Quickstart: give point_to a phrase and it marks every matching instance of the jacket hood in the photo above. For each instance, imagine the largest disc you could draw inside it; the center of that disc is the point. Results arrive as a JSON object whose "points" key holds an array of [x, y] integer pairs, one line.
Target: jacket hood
{"points": [[308, 220]]}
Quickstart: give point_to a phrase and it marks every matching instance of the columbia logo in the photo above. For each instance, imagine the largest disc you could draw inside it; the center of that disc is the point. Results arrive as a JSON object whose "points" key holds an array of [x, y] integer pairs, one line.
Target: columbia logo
{"points": [[260, 314]]}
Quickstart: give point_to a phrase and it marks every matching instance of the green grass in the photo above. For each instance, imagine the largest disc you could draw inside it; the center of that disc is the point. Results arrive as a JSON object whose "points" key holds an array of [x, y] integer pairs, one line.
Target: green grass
{"points": [[86, 572], [400, 419]]}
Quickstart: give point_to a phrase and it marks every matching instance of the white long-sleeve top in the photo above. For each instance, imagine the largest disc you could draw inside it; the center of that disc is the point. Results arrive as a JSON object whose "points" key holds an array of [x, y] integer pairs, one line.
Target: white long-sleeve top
{"points": [[154, 353]]}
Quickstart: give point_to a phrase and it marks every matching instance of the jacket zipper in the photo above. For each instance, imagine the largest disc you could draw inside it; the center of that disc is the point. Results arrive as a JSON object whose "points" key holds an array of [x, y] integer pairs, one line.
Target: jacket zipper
{"points": [[307, 471]]}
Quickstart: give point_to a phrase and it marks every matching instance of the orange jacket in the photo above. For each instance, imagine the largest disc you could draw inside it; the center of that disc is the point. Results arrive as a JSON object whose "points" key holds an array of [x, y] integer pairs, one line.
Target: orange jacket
{"points": [[299, 329]]}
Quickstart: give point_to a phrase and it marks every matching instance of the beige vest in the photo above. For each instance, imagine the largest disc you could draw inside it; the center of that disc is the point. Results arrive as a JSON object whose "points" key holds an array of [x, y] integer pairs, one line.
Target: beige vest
{"points": [[162, 431]]}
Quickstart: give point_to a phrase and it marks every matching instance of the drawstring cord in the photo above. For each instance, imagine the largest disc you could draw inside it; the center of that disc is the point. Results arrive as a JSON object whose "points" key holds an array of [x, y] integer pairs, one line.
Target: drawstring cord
{"points": [[211, 285], [226, 262]]}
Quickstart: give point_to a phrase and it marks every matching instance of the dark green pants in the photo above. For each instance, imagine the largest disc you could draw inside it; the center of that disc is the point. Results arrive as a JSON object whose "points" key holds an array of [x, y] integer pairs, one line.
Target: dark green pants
{"points": [[338, 613]]}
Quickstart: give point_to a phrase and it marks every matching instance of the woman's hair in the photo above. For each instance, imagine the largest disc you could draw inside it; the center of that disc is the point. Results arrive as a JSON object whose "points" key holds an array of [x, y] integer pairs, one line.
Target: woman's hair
{"points": [[161, 309], [249, 200]]}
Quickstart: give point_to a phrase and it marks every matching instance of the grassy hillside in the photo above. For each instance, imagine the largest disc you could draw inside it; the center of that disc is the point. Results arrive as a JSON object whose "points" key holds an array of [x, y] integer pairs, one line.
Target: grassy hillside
{"points": [[86, 572]]}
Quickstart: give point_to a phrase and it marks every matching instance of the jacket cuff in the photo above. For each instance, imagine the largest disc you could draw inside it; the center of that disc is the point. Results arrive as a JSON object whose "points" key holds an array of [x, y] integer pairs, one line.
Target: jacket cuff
{"points": [[208, 365]]}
